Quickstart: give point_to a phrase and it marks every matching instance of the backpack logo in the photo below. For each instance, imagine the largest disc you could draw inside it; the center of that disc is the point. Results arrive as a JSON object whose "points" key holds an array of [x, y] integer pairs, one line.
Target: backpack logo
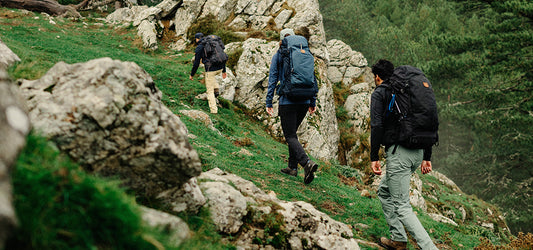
{"points": [[298, 67], [214, 51], [413, 104]]}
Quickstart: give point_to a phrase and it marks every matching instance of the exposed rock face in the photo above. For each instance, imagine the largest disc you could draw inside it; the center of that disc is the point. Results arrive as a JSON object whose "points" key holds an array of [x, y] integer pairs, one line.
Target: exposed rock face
{"points": [[349, 69], [7, 57], [108, 116], [345, 65], [14, 126], [302, 225]]}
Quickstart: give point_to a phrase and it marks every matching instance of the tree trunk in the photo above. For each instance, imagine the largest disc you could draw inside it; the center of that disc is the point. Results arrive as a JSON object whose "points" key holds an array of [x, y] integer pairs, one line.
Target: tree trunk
{"points": [[48, 6]]}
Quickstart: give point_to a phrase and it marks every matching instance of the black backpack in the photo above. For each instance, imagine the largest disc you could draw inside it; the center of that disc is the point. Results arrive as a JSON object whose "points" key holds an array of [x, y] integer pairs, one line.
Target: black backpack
{"points": [[299, 69], [414, 106], [214, 50]]}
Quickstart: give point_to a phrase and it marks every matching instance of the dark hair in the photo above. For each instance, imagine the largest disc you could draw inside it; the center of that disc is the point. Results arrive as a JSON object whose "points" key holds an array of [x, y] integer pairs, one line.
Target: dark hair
{"points": [[383, 68]]}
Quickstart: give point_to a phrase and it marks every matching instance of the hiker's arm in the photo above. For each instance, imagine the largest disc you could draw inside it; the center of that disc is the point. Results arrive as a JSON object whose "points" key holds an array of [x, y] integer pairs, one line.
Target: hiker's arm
{"points": [[376, 124], [197, 58], [272, 80]]}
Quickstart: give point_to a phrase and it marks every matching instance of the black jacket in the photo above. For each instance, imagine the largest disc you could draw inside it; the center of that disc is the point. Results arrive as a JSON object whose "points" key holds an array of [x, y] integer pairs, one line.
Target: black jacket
{"points": [[200, 55], [384, 127]]}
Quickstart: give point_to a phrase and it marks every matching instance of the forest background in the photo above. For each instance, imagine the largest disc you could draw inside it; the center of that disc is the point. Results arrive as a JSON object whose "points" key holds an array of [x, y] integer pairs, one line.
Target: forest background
{"points": [[478, 56]]}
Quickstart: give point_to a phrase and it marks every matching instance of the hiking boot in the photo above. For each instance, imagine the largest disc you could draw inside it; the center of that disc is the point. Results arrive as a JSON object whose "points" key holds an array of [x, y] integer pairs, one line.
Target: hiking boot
{"points": [[392, 245], [290, 171], [309, 171]]}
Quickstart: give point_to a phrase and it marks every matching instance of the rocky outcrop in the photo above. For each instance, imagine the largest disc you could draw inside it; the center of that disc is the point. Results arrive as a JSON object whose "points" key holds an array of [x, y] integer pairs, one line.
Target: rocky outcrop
{"points": [[108, 116], [297, 225], [146, 19], [7, 57], [14, 126]]}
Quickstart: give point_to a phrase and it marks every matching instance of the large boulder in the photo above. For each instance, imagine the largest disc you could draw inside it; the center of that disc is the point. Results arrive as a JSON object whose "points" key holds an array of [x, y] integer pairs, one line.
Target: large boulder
{"points": [[108, 116], [14, 126]]}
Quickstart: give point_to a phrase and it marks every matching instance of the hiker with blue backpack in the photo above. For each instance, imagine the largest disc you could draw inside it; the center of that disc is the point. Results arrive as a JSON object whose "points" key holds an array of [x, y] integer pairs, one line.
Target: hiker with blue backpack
{"points": [[210, 51], [293, 67], [403, 118]]}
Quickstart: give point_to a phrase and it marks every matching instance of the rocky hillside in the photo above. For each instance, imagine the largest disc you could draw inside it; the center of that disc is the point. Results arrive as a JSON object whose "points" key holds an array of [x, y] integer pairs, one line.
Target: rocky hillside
{"points": [[108, 115]]}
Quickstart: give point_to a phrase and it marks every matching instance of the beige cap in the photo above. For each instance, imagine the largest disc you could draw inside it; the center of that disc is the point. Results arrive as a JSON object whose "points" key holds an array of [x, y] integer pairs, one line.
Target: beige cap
{"points": [[285, 32]]}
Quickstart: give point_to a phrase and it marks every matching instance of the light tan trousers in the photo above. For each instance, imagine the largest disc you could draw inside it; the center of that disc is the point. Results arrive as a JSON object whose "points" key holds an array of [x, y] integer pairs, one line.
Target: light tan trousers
{"points": [[211, 84]]}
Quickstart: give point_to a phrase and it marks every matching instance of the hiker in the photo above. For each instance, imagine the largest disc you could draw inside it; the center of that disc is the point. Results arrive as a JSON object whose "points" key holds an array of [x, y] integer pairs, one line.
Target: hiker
{"points": [[292, 110], [213, 67], [402, 161]]}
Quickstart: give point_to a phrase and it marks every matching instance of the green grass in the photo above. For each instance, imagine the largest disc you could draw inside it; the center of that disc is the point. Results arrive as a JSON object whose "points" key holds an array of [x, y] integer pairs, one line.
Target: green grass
{"points": [[36, 42], [59, 206]]}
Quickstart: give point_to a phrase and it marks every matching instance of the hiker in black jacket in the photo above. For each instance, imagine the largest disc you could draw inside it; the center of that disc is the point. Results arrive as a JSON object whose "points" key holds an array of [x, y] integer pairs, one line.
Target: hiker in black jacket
{"points": [[211, 70], [393, 190]]}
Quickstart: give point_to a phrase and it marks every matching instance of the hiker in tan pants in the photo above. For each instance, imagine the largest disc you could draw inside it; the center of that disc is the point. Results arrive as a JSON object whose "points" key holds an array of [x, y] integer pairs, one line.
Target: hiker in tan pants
{"points": [[211, 71]]}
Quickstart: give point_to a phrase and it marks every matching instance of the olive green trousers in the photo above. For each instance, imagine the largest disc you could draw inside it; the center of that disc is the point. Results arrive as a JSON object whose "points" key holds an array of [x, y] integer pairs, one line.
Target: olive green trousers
{"points": [[393, 193]]}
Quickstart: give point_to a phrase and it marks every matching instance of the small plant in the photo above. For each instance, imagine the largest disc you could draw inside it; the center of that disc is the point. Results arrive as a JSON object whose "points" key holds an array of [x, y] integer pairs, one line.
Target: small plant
{"points": [[233, 58]]}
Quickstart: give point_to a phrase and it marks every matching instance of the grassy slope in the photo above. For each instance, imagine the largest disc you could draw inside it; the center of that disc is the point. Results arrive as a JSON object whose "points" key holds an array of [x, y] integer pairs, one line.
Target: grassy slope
{"points": [[40, 45]]}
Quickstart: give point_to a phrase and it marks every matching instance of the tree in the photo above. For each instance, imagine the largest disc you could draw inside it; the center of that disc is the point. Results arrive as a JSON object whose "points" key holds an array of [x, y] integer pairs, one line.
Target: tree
{"points": [[48, 6]]}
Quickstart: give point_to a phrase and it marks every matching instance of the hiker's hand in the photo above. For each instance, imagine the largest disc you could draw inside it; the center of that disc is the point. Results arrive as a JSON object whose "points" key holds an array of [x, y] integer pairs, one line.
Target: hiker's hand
{"points": [[376, 167], [270, 111], [190, 78], [425, 167], [224, 75], [312, 110]]}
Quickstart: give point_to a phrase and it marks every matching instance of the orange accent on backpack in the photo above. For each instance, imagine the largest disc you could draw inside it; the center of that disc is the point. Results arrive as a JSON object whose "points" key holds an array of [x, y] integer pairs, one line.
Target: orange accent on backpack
{"points": [[426, 84]]}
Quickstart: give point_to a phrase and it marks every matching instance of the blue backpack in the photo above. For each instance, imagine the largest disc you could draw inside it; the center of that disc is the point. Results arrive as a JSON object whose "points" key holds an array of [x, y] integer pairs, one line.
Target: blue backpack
{"points": [[298, 65]]}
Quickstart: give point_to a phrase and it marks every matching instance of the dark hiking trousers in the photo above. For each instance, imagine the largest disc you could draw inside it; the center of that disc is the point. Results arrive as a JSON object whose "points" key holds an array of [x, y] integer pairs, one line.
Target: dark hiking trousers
{"points": [[291, 117]]}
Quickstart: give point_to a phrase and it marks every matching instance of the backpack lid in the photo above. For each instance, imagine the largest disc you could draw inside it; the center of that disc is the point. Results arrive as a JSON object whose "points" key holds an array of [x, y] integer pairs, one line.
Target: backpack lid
{"points": [[291, 41]]}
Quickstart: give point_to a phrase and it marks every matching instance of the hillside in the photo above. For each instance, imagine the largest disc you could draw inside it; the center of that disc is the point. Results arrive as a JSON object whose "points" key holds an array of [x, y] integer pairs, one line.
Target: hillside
{"points": [[41, 44]]}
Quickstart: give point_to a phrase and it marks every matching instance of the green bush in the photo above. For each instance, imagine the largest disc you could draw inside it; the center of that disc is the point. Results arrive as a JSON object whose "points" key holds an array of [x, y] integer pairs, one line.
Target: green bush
{"points": [[210, 25]]}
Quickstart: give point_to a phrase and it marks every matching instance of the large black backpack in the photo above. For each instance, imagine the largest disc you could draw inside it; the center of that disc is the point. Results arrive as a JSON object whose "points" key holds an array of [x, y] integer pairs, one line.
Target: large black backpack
{"points": [[413, 104], [214, 50], [299, 69]]}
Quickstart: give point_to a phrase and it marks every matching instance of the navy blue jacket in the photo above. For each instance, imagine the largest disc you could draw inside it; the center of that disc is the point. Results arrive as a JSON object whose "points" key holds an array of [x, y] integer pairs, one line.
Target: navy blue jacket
{"points": [[276, 75]]}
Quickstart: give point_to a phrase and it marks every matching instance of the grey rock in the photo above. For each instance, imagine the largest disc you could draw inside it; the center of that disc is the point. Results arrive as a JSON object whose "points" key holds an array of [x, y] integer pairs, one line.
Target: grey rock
{"points": [[108, 116], [7, 57], [179, 230]]}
